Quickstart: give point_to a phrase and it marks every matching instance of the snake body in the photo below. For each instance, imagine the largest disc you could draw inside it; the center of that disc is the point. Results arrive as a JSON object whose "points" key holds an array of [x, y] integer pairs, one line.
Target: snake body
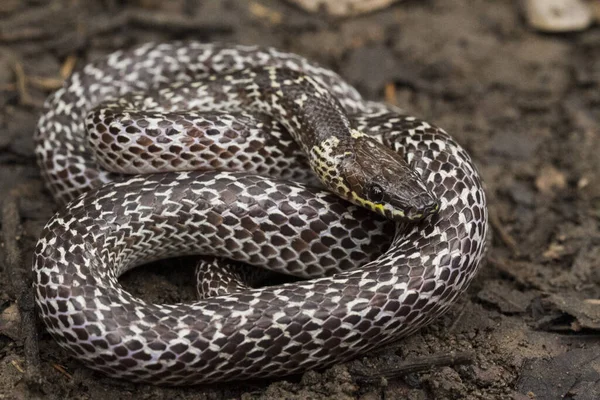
{"points": [[372, 281]]}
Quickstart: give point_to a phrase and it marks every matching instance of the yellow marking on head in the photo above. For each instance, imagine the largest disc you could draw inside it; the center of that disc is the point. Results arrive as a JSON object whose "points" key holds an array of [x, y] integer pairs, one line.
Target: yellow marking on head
{"points": [[368, 204], [376, 207], [325, 164], [356, 134], [331, 142], [324, 150], [327, 173]]}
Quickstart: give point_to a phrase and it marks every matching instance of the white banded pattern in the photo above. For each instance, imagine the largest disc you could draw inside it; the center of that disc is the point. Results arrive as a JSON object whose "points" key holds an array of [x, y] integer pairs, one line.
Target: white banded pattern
{"points": [[361, 295]]}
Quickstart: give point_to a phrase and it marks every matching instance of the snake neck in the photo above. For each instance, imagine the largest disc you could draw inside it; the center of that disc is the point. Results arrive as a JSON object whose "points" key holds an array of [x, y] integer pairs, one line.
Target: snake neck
{"points": [[304, 107]]}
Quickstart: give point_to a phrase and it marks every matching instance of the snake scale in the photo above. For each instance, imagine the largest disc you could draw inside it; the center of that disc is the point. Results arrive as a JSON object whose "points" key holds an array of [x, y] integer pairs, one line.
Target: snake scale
{"points": [[227, 128]]}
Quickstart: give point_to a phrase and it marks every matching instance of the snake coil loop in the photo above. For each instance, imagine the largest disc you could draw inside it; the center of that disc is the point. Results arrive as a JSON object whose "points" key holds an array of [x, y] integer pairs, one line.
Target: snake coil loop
{"points": [[372, 280]]}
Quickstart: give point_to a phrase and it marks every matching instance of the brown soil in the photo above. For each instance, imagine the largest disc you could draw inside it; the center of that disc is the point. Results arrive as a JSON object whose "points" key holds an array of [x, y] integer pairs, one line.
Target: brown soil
{"points": [[525, 105]]}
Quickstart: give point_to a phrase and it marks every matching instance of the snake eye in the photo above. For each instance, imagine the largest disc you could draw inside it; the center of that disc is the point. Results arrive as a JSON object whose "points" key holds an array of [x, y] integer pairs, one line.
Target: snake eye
{"points": [[375, 193]]}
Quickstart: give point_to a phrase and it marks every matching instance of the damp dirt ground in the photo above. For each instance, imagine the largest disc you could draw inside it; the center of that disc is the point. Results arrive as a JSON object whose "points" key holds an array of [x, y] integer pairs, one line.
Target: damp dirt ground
{"points": [[525, 105]]}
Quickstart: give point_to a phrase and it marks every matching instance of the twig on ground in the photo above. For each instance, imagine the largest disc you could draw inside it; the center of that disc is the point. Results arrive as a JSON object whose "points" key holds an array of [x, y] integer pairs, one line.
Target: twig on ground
{"points": [[67, 68], [21, 84], [62, 370], [365, 374], [390, 94], [174, 22], [22, 35]]}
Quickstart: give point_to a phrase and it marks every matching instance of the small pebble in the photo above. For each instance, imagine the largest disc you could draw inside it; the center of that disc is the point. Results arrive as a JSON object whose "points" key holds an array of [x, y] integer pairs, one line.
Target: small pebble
{"points": [[10, 322], [342, 8], [595, 7], [558, 15]]}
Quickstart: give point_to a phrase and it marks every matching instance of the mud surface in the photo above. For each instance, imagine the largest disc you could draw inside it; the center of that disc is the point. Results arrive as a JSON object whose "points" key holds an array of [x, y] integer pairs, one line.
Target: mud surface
{"points": [[525, 105]]}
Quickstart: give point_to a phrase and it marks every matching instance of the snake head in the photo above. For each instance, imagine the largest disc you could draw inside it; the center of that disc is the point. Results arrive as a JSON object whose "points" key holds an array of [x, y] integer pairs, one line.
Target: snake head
{"points": [[379, 179]]}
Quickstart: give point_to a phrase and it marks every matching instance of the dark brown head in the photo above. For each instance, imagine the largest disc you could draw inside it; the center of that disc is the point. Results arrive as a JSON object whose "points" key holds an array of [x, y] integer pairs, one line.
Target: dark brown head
{"points": [[381, 180]]}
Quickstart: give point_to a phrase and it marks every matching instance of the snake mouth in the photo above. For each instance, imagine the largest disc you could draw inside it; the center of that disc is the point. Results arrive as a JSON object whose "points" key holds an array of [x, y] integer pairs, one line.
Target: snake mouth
{"points": [[418, 208], [419, 213], [422, 206]]}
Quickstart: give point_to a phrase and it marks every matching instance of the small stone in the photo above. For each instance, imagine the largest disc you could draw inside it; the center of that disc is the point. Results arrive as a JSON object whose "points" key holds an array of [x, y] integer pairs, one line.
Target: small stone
{"points": [[10, 322], [595, 7], [550, 179], [489, 376], [445, 383], [342, 8], [558, 15], [554, 251], [521, 194]]}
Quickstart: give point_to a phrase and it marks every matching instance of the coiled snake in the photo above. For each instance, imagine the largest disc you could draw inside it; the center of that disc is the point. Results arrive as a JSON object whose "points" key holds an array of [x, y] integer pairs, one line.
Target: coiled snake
{"points": [[258, 117]]}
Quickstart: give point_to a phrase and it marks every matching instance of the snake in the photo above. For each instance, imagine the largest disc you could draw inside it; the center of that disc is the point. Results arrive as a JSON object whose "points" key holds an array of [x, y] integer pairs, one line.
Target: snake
{"points": [[254, 156]]}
